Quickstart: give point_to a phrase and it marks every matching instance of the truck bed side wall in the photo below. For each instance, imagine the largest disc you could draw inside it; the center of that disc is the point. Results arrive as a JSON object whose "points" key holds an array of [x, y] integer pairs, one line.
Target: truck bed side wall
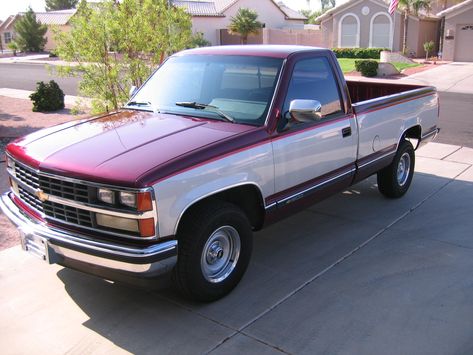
{"points": [[383, 121], [367, 90]]}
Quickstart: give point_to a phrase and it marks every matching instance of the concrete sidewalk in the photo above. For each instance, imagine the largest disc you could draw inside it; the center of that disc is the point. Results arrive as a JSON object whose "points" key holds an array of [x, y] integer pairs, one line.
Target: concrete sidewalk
{"points": [[355, 274]]}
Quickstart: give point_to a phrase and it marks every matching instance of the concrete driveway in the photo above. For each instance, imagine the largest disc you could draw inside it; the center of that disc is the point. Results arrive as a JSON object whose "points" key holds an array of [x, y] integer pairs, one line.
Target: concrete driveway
{"points": [[355, 274], [454, 77], [454, 82]]}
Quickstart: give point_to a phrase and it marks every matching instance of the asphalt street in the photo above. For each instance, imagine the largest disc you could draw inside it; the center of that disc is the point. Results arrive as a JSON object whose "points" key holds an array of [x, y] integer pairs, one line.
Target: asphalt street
{"points": [[24, 76]]}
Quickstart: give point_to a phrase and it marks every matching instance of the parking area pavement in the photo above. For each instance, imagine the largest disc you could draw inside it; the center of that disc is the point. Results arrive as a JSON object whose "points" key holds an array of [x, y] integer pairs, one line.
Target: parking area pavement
{"points": [[356, 274]]}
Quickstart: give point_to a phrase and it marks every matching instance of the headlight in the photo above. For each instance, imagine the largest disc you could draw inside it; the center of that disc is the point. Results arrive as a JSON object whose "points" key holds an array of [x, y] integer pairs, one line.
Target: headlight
{"points": [[141, 201], [128, 199], [106, 195]]}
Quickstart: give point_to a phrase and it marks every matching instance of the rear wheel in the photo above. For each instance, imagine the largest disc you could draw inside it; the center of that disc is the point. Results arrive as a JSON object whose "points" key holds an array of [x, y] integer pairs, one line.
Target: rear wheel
{"points": [[395, 179], [215, 244]]}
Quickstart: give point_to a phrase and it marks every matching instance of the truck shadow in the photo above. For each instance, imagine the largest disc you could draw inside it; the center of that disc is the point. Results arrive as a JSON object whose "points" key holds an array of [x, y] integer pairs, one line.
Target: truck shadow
{"points": [[286, 255]]}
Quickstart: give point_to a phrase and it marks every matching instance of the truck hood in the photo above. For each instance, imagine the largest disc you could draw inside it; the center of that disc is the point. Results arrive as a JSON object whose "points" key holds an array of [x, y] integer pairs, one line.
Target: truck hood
{"points": [[122, 147]]}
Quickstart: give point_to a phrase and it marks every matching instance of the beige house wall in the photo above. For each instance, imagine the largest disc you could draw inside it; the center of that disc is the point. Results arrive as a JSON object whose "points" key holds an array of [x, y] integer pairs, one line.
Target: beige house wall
{"points": [[293, 36], [268, 13], [451, 23], [420, 31], [277, 36], [51, 43]]}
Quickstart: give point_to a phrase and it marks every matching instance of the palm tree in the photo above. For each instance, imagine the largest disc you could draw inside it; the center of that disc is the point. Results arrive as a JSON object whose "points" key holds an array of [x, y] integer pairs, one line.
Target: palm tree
{"points": [[411, 7], [244, 24]]}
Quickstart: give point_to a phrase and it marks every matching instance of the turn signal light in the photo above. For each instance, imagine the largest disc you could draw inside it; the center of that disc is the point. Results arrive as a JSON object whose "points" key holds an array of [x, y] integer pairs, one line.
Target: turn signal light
{"points": [[144, 201], [146, 227]]}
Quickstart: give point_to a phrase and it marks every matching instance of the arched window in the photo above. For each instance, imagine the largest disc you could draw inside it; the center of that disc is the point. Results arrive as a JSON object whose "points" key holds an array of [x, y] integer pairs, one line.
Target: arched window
{"points": [[349, 31], [381, 28]]}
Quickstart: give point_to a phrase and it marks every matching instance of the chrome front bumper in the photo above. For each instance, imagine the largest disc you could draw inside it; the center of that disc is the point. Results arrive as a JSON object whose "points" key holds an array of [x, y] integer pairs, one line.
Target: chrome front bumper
{"points": [[91, 256]]}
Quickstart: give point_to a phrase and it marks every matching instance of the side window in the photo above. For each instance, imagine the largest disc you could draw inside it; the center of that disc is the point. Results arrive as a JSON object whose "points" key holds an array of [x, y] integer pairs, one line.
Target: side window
{"points": [[313, 79]]}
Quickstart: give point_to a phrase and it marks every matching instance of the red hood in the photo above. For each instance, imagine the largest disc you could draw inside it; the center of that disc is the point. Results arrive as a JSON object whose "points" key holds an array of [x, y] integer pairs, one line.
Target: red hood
{"points": [[123, 148]]}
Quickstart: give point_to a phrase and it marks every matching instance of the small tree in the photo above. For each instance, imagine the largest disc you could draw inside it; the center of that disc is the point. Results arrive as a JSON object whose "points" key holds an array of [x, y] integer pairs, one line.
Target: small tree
{"points": [[428, 48], [117, 46], [30, 33], [244, 24], [54, 5], [311, 15], [198, 40], [13, 47]]}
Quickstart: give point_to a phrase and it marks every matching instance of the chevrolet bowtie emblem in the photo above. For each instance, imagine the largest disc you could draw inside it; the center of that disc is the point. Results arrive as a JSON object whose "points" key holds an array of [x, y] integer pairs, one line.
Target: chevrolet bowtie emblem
{"points": [[42, 195]]}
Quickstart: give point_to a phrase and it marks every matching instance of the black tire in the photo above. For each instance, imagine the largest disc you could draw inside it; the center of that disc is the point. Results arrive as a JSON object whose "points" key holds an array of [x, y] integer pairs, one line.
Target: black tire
{"points": [[209, 265], [394, 180]]}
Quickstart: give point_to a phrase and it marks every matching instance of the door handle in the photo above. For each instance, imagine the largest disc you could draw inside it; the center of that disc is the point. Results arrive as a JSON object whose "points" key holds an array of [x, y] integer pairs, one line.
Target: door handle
{"points": [[346, 132]]}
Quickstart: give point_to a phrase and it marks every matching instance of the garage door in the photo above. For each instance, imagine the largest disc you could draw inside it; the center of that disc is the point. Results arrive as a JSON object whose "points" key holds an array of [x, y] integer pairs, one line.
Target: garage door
{"points": [[464, 44]]}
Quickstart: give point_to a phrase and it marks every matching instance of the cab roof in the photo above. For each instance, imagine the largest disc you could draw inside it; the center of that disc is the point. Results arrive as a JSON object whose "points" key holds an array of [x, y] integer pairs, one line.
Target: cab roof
{"points": [[258, 50]]}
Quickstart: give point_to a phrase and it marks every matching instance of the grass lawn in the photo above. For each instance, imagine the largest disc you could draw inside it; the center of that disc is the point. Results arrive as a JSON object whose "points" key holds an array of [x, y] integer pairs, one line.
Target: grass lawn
{"points": [[348, 65]]}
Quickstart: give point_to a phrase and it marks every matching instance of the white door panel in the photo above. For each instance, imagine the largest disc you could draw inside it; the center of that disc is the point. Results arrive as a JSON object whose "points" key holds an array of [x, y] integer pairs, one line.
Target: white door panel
{"points": [[316, 151]]}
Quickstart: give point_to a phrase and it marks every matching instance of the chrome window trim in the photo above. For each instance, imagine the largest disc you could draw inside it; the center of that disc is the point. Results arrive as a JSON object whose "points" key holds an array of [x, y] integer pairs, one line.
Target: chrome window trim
{"points": [[89, 207]]}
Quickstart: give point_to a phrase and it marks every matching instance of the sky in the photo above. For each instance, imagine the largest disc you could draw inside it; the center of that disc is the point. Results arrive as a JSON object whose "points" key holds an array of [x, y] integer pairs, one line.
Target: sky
{"points": [[11, 7]]}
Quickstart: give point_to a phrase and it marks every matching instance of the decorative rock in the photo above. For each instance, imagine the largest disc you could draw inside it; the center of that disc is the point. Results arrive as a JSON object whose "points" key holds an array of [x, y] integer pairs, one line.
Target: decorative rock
{"points": [[386, 69]]}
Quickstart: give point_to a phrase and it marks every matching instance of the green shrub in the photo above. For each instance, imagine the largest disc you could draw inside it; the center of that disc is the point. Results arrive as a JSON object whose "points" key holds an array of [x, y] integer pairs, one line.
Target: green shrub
{"points": [[358, 53], [47, 97], [367, 67]]}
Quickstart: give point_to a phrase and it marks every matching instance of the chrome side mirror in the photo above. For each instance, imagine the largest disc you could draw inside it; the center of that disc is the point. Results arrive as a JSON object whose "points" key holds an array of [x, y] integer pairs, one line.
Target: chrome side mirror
{"points": [[132, 90], [305, 110]]}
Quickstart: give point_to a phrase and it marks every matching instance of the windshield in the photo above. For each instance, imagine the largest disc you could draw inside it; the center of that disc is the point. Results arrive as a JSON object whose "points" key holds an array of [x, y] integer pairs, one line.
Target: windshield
{"points": [[212, 86]]}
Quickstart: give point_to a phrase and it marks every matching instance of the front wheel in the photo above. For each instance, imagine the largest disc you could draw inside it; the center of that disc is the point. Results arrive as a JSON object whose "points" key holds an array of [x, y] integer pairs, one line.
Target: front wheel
{"points": [[395, 179], [215, 244]]}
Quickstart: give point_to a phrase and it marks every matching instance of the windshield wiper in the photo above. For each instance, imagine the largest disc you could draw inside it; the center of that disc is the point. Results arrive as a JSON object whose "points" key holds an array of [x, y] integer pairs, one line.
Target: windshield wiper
{"points": [[199, 106], [139, 103]]}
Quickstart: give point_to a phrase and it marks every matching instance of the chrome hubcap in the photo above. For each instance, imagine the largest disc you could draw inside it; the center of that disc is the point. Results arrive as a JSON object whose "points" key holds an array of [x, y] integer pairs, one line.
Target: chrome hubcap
{"points": [[220, 254], [403, 169]]}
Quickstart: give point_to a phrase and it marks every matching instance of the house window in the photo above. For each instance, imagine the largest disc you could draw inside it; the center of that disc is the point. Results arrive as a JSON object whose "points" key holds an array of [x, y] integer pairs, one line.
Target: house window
{"points": [[381, 31], [7, 37], [349, 31]]}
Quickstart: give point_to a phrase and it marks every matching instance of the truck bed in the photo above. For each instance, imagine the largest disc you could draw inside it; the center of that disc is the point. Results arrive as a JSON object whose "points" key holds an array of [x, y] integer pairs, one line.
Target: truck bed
{"points": [[368, 90]]}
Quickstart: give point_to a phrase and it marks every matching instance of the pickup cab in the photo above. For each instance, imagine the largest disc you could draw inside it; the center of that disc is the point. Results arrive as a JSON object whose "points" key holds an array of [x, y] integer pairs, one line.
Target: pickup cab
{"points": [[219, 142]]}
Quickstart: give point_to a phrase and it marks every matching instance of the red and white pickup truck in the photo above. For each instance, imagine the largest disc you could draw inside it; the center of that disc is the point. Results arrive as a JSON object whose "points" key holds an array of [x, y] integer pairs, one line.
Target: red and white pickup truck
{"points": [[219, 142]]}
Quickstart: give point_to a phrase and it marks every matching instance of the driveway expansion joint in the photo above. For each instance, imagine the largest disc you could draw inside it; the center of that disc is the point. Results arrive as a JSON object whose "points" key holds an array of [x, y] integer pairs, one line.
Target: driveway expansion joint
{"points": [[337, 262]]}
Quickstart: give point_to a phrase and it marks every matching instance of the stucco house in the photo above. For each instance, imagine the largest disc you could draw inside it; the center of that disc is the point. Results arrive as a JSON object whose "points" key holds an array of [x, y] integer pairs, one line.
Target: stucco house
{"points": [[51, 19], [457, 32], [367, 23], [212, 16], [7, 31]]}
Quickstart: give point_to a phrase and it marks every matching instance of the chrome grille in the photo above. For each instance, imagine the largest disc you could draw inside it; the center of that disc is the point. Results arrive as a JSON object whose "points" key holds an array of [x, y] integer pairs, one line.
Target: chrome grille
{"points": [[67, 214], [51, 186], [64, 189], [28, 176], [30, 199]]}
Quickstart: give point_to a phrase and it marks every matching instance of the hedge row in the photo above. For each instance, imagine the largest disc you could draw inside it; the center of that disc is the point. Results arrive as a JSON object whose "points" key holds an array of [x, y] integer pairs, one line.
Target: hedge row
{"points": [[359, 53], [366, 67]]}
